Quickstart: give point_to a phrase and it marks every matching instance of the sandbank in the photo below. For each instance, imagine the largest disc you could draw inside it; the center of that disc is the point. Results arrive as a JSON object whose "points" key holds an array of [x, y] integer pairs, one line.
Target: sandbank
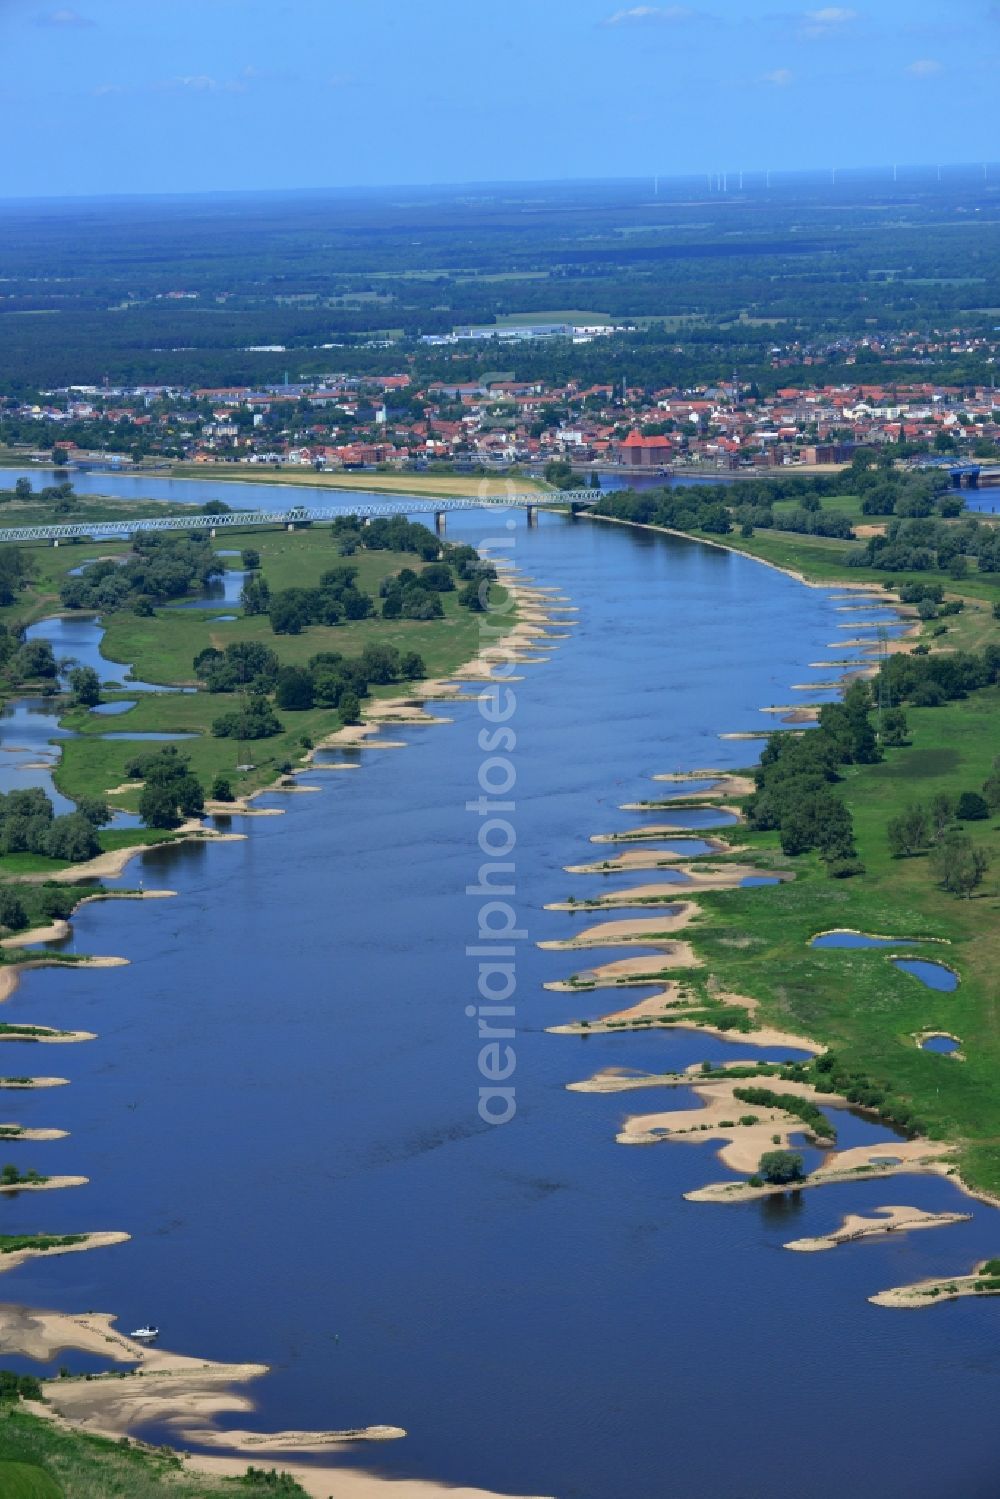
{"points": [[719, 1119], [726, 782], [929, 1292], [34, 1082], [858, 1164], [662, 829], [889, 1220], [625, 971], [10, 973], [19, 1256], [654, 858], [47, 1037], [51, 1184], [617, 933]]}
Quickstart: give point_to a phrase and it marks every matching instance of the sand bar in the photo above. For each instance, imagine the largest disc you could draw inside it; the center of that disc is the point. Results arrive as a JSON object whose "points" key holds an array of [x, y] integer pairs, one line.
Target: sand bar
{"points": [[890, 1220], [638, 929], [641, 970], [858, 1164], [50, 1184], [10, 973], [20, 1256]]}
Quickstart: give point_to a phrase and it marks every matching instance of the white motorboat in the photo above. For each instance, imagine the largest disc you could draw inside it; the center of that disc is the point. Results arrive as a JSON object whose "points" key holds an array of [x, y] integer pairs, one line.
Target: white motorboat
{"points": [[145, 1334]]}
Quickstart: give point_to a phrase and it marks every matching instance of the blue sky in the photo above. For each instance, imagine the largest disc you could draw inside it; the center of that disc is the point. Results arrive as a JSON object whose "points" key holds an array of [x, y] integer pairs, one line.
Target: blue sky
{"points": [[123, 96]]}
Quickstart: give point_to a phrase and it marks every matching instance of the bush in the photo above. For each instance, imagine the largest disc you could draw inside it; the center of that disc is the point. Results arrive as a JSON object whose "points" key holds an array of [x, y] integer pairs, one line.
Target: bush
{"points": [[781, 1167], [256, 719], [971, 807]]}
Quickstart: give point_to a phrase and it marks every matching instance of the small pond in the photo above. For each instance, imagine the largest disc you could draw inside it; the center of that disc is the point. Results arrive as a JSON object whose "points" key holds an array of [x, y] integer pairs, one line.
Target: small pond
{"points": [[934, 975], [945, 1046], [111, 710], [858, 939]]}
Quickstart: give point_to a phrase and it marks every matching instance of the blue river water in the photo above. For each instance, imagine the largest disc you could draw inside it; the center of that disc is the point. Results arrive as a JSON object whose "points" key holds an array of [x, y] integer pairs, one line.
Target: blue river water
{"points": [[281, 1109]]}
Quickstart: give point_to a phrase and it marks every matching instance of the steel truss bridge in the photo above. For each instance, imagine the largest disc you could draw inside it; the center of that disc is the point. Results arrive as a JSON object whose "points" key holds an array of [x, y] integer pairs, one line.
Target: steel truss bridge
{"points": [[296, 515]]}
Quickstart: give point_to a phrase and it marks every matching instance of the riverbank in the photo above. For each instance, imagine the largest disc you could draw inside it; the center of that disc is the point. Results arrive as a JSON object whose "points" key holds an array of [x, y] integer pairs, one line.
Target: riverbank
{"points": [[757, 943], [186, 1393]]}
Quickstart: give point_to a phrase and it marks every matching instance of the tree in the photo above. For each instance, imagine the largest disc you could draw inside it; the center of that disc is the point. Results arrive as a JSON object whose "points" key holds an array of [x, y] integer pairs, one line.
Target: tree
{"points": [[959, 865], [73, 838], [894, 727], [85, 685], [295, 689], [781, 1167], [158, 807], [472, 597], [96, 811], [60, 457], [251, 559], [255, 597], [411, 667], [349, 708], [12, 913], [222, 790], [909, 833], [22, 489], [942, 813], [991, 788]]}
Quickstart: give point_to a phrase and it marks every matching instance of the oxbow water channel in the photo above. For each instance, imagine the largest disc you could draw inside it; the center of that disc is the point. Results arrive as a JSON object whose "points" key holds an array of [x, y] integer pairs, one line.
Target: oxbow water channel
{"points": [[281, 1108]]}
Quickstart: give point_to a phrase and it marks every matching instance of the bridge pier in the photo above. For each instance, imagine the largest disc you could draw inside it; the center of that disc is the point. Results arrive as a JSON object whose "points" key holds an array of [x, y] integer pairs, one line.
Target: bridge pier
{"points": [[532, 512], [440, 522]]}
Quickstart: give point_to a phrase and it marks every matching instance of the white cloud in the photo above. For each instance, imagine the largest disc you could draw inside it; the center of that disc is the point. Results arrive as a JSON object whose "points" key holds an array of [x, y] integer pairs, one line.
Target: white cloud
{"points": [[818, 25], [924, 67], [779, 78], [64, 17], [203, 83], [831, 15], [640, 13]]}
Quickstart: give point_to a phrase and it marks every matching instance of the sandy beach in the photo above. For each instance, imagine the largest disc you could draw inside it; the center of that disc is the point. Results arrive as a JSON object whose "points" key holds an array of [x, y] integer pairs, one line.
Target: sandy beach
{"points": [[188, 1395]]}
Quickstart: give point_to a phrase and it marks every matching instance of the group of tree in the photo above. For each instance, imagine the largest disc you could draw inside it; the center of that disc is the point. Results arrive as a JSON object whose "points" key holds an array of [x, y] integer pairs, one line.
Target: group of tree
{"points": [[28, 825], [335, 600], [926, 544], [958, 862], [691, 508], [171, 791], [928, 681], [796, 778], [385, 534], [27, 660], [330, 680], [162, 568], [17, 569]]}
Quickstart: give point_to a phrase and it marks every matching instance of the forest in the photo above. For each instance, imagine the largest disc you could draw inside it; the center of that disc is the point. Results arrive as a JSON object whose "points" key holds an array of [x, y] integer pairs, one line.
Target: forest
{"points": [[212, 292]]}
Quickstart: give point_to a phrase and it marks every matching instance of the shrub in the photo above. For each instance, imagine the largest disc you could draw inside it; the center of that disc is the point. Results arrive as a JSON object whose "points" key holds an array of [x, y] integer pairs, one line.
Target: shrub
{"points": [[971, 807]]}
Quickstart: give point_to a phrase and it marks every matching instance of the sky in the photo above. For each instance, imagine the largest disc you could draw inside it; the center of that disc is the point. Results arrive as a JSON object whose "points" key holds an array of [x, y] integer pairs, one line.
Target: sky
{"points": [[174, 96]]}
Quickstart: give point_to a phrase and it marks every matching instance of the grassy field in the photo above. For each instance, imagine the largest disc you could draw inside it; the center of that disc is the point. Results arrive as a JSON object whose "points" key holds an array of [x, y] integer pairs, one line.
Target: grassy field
{"points": [[162, 648], [429, 486], [756, 942], [39, 1460]]}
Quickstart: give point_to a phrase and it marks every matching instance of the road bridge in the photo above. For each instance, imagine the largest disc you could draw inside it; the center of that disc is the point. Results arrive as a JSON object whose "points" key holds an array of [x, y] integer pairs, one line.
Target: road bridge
{"points": [[293, 516]]}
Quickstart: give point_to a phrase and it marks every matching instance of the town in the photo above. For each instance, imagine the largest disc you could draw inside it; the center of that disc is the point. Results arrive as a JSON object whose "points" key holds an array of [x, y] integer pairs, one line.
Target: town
{"points": [[403, 421]]}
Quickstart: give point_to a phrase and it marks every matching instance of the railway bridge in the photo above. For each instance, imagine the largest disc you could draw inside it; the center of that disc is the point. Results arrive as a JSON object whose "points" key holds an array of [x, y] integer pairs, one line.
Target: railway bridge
{"points": [[295, 516]]}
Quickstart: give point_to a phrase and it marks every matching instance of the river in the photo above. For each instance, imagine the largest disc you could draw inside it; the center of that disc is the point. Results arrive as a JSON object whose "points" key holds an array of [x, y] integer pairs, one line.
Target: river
{"points": [[281, 1108]]}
